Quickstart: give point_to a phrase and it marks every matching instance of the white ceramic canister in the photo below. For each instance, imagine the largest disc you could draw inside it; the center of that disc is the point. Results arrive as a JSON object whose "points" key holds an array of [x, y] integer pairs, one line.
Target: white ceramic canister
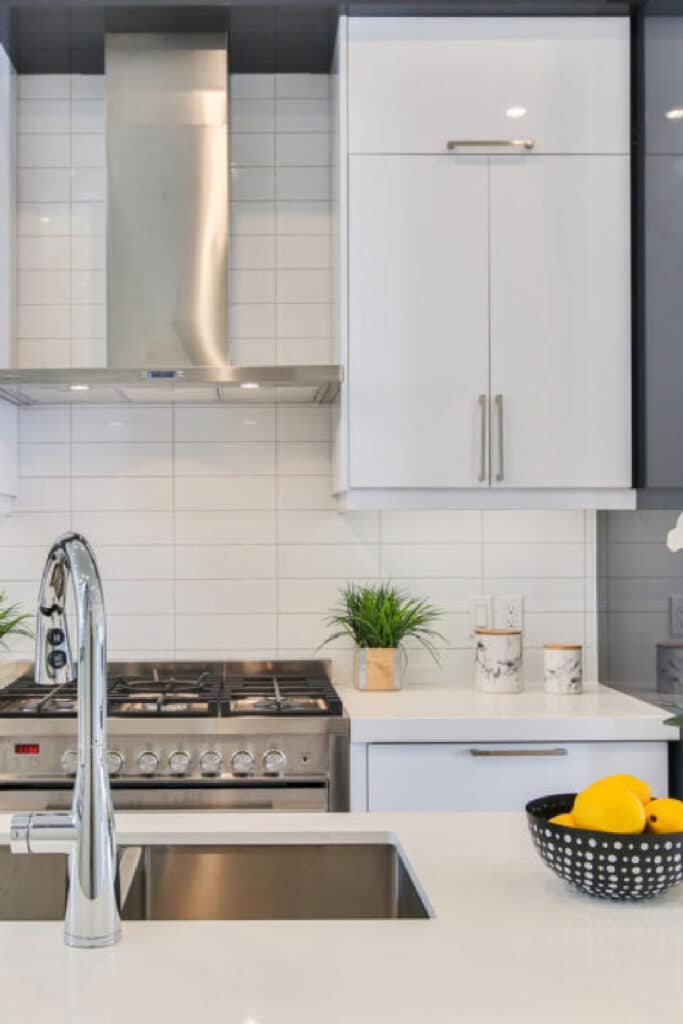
{"points": [[498, 664], [563, 668]]}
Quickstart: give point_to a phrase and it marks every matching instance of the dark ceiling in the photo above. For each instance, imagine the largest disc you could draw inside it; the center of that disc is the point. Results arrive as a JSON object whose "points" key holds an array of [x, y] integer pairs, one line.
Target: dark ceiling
{"points": [[58, 37]]}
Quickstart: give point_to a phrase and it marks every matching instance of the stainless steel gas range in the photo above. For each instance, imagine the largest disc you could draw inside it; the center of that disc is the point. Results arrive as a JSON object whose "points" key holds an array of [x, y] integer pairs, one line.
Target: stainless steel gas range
{"points": [[186, 735]]}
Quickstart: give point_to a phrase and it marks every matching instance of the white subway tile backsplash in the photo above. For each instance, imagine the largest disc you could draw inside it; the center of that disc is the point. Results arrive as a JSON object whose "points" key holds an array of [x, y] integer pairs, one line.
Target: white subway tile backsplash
{"points": [[298, 149], [30, 529], [88, 321], [144, 562], [303, 183], [88, 150], [410, 527], [304, 286], [42, 219], [87, 87], [88, 185], [87, 115], [41, 150], [220, 597], [303, 458], [535, 560], [88, 252], [252, 87], [141, 597], [88, 286], [252, 285], [121, 459], [353, 561], [229, 459], [252, 150], [115, 494], [129, 528], [306, 216], [44, 87], [252, 218], [528, 526], [303, 115], [44, 115], [252, 252], [323, 527], [302, 86], [252, 183], [140, 633], [43, 460], [44, 424], [35, 287], [304, 422], [43, 185], [219, 527], [252, 320], [44, 322], [119, 423], [225, 562], [305, 492], [44, 494], [224, 423], [425, 560], [299, 320], [252, 115], [216, 493], [303, 252], [43, 253], [88, 218], [225, 632], [305, 351], [36, 354]]}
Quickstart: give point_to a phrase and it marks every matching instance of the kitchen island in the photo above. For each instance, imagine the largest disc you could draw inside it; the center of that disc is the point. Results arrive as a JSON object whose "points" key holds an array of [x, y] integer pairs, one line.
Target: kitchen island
{"points": [[508, 941]]}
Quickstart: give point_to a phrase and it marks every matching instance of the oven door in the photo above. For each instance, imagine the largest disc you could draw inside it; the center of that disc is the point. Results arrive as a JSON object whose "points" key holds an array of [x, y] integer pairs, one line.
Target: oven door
{"points": [[178, 795]]}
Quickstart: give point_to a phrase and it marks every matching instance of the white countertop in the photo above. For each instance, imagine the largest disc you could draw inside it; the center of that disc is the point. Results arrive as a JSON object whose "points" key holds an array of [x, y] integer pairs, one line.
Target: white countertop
{"points": [[509, 942], [449, 714]]}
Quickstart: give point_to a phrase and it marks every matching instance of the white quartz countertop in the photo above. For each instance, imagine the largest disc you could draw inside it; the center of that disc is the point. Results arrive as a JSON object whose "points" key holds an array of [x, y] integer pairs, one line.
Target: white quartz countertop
{"points": [[509, 942], [448, 714]]}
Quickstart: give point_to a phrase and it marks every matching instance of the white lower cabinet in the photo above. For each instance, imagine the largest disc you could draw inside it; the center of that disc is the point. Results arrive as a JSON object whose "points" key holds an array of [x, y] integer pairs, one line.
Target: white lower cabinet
{"points": [[499, 776]]}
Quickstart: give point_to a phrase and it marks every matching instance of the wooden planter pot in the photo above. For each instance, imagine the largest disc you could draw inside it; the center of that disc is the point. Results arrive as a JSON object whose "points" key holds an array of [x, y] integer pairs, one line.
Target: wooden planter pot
{"points": [[377, 668]]}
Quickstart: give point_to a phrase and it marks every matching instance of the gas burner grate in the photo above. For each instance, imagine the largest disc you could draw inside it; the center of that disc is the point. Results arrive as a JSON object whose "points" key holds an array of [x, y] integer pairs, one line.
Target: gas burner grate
{"points": [[186, 694]]}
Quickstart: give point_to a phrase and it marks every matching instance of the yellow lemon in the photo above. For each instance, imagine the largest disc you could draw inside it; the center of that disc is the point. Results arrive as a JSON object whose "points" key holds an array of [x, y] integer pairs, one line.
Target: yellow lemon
{"points": [[614, 782], [608, 809], [563, 819], [664, 815]]}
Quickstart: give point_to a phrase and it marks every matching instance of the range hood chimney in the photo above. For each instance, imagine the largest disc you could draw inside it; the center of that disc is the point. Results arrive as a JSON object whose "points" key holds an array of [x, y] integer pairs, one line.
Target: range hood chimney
{"points": [[167, 165], [168, 240]]}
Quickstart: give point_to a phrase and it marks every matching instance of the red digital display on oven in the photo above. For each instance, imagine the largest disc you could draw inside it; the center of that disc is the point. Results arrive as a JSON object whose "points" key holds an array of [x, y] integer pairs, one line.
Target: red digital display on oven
{"points": [[27, 748]]}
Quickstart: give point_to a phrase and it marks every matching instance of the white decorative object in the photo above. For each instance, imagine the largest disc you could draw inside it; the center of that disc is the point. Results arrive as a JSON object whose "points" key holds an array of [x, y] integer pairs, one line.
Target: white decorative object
{"points": [[498, 667], [563, 668]]}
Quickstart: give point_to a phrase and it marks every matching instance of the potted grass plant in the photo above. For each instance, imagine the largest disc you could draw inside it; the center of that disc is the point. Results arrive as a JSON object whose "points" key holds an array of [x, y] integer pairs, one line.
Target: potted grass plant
{"points": [[379, 619], [13, 622]]}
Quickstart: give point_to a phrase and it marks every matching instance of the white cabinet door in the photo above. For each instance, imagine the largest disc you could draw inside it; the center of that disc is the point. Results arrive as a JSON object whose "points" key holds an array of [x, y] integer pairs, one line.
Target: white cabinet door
{"points": [[414, 83], [418, 321], [8, 450], [499, 776], [560, 322]]}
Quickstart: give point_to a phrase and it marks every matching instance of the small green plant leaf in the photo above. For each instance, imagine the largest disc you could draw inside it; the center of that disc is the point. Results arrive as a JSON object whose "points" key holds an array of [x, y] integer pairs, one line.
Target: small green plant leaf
{"points": [[383, 616], [13, 622]]}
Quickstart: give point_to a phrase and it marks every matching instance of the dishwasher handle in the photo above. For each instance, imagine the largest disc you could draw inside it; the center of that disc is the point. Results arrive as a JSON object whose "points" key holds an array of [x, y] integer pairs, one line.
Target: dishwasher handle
{"points": [[526, 752]]}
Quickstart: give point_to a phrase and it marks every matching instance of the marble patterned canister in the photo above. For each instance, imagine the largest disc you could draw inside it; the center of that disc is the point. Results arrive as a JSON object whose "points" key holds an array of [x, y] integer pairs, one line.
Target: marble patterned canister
{"points": [[498, 665], [563, 668]]}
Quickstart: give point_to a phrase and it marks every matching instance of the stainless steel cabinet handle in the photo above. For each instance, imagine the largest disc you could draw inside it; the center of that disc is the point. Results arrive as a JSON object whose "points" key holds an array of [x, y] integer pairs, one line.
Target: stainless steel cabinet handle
{"points": [[546, 752], [483, 402], [511, 143], [500, 475]]}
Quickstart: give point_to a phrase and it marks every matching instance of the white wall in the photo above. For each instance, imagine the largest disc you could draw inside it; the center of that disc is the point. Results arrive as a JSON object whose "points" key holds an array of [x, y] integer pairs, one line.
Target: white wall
{"points": [[214, 526]]}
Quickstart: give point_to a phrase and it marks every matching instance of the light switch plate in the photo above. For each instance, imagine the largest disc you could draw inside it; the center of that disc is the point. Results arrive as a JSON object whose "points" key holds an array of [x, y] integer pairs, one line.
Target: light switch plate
{"points": [[508, 611], [480, 607]]}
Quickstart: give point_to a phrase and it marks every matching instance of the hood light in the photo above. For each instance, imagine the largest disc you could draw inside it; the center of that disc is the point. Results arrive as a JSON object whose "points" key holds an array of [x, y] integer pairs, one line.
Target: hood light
{"points": [[676, 114], [79, 387], [516, 112], [250, 385]]}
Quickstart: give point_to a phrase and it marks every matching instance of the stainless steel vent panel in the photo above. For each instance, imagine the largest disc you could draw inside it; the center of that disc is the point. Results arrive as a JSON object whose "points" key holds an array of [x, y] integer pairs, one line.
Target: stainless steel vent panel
{"points": [[167, 159]]}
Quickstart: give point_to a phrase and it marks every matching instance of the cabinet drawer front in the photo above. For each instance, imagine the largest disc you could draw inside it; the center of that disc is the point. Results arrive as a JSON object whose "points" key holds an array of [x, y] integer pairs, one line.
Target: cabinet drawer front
{"points": [[415, 83], [499, 776]]}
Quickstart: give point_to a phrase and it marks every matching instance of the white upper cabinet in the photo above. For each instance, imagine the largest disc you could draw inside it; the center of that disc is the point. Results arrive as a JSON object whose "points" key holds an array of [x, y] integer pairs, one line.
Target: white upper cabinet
{"points": [[418, 319], [560, 322], [416, 83], [8, 453]]}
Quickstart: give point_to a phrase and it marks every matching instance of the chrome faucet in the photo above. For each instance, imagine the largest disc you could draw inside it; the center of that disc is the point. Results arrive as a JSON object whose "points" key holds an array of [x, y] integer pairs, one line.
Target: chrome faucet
{"points": [[86, 833]]}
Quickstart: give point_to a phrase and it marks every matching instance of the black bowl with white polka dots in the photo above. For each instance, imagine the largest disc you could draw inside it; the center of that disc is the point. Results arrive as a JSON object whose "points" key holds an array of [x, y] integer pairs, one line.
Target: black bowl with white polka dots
{"points": [[612, 865]]}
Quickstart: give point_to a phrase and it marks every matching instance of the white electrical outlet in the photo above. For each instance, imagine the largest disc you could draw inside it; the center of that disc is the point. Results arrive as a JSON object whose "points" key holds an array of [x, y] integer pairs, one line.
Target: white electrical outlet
{"points": [[676, 615], [508, 611], [480, 607]]}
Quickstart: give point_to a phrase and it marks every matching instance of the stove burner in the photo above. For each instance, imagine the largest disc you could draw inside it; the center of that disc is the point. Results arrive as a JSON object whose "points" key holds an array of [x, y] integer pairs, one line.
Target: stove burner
{"points": [[193, 692]]}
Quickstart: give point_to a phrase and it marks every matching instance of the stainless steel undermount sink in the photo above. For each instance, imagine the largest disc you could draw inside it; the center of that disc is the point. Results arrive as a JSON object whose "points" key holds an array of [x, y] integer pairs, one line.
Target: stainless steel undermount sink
{"points": [[319, 881]]}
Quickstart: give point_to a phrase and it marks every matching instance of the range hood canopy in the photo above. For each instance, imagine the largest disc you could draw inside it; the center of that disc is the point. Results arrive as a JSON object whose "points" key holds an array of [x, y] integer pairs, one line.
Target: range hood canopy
{"points": [[168, 239]]}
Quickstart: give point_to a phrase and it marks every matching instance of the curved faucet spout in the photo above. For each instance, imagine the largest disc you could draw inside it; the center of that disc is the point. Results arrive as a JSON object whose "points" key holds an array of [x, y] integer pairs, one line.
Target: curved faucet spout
{"points": [[86, 833]]}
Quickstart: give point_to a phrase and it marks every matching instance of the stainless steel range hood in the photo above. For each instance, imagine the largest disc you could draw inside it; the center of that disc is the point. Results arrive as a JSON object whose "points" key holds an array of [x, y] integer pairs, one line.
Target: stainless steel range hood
{"points": [[168, 239]]}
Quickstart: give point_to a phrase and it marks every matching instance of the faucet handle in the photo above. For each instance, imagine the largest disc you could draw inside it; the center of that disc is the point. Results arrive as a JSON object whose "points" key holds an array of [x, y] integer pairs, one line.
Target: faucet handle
{"points": [[20, 826]]}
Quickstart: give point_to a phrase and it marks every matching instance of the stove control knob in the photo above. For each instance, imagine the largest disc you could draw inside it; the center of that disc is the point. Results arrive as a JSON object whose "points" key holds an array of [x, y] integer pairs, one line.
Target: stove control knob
{"points": [[274, 762], [179, 762], [210, 762], [115, 761], [242, 762], [148, 762], [69, 762]]}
